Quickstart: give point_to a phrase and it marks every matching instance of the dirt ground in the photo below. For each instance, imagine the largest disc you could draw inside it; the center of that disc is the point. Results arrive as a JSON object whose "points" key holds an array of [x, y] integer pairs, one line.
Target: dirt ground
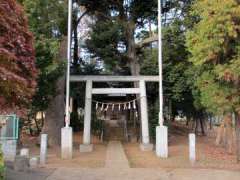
{"points": [[208, 155], [95, 159]]}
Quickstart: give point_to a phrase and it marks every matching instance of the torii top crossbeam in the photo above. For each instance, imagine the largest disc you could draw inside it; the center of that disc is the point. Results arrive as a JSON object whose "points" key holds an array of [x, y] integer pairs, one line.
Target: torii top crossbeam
{"points": [[101, 78]]}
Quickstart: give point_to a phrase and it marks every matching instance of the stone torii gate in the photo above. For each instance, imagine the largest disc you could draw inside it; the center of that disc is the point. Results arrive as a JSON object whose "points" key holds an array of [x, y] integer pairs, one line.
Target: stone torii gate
{"points": [[87, 146], [161, 130]]}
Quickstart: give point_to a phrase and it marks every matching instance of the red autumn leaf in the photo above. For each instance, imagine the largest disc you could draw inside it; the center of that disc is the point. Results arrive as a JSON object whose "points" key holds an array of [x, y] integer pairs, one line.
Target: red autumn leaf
{"points": [[17, 60]]}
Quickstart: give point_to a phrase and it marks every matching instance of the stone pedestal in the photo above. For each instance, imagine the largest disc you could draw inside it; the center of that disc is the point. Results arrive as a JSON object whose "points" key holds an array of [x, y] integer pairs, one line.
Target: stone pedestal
{"points": [[192, 147], [66, 143], [21, 163], [86, 148], [9, 148], [33, 162], [146, 147], [43, 149], [162, 141]]}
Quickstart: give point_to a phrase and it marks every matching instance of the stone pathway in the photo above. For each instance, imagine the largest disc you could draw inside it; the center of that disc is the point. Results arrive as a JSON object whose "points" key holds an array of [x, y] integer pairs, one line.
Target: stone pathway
{"points": [[143, 174], [116, 157], [36, 174], [117, 168]]}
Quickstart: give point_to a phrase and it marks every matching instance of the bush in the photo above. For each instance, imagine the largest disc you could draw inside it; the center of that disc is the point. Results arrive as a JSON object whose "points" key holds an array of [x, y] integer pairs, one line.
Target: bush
{"points": [[2, 168]]}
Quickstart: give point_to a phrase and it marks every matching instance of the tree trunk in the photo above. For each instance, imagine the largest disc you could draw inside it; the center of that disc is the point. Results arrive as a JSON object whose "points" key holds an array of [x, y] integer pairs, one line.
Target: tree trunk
{"points": [[188, 120], [237, 128], [202, 125], [229, 138], [171, 118], [211, 123], [220, 134], [225, 133], [75, 47], [196, 125], [36, 123], [54, 118], [133, 61], [131, 49], [42, 119]]}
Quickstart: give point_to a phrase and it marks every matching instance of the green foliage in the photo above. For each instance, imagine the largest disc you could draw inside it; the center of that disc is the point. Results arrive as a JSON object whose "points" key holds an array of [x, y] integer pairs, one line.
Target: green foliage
{"points": [[117, 22], [2, 168], [213, 93], [105, 37], [137, 10], [47, 20], [50, 70], [112, 35], [177, 86], [149, 65], [217, 31], [47, 17], [153, 118], [214, 44]]}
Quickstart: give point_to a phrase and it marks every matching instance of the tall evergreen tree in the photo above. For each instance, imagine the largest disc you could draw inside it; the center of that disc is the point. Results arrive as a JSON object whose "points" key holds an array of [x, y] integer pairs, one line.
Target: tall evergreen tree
{"points": [[214, 46], [113, 33], [48, 22]]}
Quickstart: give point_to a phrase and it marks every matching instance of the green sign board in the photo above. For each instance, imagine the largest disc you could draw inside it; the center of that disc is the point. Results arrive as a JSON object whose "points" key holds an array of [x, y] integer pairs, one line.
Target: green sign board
{"points": [[9, 127]]}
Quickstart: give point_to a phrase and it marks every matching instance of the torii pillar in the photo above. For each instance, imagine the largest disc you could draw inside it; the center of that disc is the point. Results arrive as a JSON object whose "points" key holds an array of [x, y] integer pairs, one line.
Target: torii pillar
{"points": [[87, 146], [145, 145]]}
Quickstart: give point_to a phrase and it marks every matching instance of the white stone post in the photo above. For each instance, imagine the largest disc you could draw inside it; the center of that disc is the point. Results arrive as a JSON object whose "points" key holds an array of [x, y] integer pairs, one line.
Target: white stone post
{"points": [[192, 147], [162, 141], [87, 146], [145, 146], [43, 149], [66, 143]]}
